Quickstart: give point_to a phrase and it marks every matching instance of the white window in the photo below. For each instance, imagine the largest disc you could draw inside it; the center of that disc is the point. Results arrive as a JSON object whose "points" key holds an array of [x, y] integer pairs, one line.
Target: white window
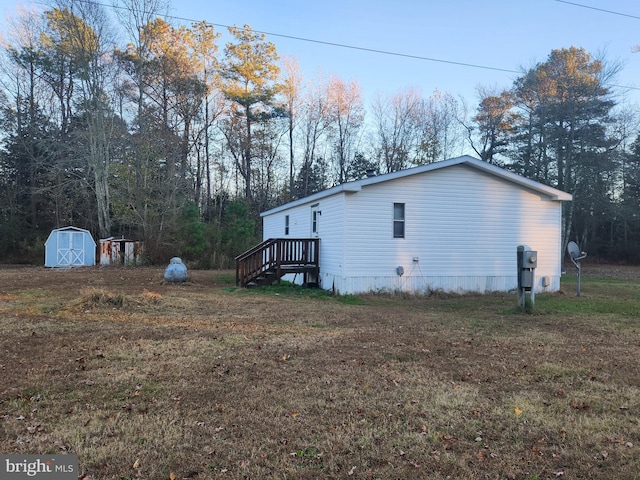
{"points": [[398, 220], [315, 219]]}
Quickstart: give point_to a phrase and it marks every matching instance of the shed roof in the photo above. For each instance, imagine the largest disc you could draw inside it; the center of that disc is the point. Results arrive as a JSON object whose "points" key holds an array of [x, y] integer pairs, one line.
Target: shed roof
{"points": [[356, 186], [72, 229]]}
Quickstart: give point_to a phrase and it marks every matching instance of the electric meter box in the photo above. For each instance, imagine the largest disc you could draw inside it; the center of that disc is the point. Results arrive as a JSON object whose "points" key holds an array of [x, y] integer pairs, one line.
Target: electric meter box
{"points": [[529, 259], [527, 263], [526, 279]]}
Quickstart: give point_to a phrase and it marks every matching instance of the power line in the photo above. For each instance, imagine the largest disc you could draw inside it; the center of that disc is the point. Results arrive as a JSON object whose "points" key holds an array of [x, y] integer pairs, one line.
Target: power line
{"points": [[382, 52], [324, 42], [373, 50], [385, 52], [599, 9]]}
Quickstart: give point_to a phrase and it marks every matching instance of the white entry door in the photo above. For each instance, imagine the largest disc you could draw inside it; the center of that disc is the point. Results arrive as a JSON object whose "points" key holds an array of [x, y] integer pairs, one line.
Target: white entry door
{"points": [[70, 249]]}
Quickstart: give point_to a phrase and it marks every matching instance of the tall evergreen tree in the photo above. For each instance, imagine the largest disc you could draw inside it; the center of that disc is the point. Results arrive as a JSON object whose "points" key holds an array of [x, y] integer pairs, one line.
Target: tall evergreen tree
{"points": [[250, 81], [563, 136]]}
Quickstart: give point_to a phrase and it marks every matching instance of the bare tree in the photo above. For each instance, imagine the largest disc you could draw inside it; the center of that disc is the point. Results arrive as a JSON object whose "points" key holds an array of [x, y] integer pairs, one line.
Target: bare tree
{"points": [[346, 118], [291, 92], [313, 126], [86, 36], [441, 135], [397, 126], [205, 50]]}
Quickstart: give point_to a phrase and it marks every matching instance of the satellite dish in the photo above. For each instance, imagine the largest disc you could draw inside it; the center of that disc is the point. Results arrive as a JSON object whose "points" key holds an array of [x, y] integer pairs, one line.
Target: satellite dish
{"points": [[576, 255], [574, 250]]}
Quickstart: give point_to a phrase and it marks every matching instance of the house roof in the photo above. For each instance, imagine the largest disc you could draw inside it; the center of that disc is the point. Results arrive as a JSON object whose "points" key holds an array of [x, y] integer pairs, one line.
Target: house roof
{"points": [[356, 186]]}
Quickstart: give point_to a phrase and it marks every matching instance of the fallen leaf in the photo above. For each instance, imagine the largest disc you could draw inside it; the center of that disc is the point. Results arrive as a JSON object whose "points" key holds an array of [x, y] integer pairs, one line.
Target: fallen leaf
{"points": [[294, 414], [136, 464], [172, 476], [517, 411]]}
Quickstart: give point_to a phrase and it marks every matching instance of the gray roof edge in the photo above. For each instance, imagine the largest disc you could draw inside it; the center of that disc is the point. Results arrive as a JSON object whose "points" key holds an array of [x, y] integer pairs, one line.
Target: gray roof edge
{"points": [[553, 193], [356, 185]]}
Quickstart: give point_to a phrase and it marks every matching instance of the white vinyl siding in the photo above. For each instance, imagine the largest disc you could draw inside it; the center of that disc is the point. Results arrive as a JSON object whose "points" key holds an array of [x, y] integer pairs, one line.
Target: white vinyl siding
{"points": [[331, 230], [463, 224]]}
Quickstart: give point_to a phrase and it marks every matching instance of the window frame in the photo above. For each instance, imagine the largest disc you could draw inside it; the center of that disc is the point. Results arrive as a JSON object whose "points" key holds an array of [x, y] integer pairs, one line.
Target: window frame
{"points": [[315, 213], [399, 223]]}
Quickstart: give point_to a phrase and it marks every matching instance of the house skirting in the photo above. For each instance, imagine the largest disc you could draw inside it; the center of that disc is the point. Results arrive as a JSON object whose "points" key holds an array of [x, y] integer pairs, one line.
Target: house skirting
{"points": [[429, 284]]}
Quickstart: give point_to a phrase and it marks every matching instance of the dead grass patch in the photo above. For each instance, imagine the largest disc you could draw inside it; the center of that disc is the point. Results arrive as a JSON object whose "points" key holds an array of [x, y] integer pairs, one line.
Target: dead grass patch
{"points": [[150, 381]]}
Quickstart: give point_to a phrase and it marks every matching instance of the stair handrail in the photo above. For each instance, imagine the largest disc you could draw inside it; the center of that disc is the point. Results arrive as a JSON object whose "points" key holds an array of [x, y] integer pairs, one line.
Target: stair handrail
{"points": [[270, 255], [255, 249], [253, 262]]}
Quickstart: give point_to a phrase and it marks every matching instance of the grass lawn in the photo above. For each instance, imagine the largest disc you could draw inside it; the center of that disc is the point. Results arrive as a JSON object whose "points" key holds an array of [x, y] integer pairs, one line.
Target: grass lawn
{"points": [[144, 380]]}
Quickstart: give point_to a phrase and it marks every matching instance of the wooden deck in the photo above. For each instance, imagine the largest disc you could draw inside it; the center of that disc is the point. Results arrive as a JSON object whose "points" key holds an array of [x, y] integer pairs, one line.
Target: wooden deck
{"points": [[269, 261]]}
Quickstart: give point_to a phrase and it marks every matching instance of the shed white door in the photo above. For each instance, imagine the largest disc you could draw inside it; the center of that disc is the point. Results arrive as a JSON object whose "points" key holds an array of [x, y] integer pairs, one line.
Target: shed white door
{"points": [[70, 249]]}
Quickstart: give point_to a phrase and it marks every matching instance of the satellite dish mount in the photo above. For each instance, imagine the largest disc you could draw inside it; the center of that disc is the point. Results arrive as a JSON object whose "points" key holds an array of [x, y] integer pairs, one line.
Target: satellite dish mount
{"points": [[576, 255]]}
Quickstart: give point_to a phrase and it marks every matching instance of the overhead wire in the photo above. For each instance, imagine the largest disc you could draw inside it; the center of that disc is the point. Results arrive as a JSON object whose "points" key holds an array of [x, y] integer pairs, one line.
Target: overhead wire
{"points": [[323, 42], [373, 50], [385, 52], [575, 4]]}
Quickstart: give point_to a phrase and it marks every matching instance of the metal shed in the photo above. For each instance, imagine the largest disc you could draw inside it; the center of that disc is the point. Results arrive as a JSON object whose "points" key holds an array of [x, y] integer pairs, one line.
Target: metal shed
{"points": [[69, 247], [120, 251]]}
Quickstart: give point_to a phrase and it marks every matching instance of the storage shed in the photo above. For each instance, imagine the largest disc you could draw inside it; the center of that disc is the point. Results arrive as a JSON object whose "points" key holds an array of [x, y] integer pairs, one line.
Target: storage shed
{"points": [[69, 247], [120, 251], [451, 226]]}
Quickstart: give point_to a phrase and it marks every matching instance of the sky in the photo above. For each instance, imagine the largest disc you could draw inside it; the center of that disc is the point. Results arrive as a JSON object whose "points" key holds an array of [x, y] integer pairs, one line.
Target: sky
{"points": [[430, 44]]}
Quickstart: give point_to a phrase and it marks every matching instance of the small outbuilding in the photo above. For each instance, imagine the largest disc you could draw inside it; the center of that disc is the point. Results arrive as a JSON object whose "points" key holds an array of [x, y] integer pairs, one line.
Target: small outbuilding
{"points": [[120, 251], [69, 247]]}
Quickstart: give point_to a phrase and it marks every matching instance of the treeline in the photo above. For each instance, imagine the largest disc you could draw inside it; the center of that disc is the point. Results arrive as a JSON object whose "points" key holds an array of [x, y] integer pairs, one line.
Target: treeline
{"points": [[124, 124]]}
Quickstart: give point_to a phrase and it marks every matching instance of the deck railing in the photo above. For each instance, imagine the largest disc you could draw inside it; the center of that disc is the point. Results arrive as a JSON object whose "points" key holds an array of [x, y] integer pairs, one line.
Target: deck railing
{"points": [[278, 256]]}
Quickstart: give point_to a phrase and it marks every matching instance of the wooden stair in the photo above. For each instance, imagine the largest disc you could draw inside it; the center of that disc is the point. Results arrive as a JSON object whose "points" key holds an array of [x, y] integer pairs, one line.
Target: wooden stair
{"points": [[269, 261]]}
